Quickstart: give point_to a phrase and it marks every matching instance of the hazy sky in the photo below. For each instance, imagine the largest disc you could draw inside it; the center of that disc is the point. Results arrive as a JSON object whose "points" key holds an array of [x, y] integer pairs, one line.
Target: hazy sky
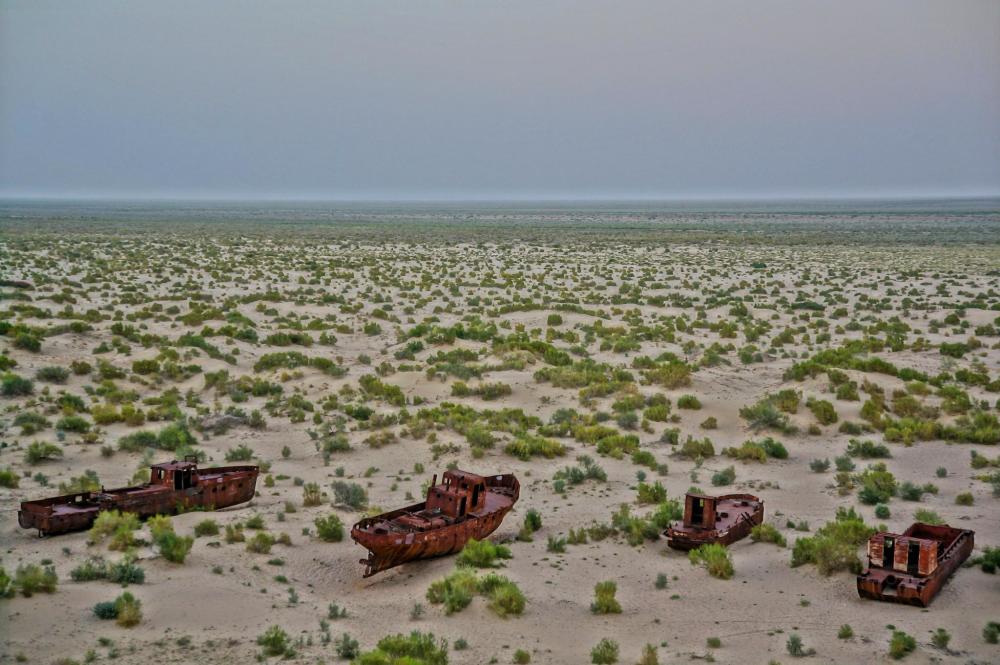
{"points": [[488, 99]]}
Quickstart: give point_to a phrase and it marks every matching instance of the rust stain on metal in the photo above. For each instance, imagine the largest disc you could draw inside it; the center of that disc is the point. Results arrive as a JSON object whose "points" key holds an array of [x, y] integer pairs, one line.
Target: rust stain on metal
{"points": [[911, 567], [715, 519], [173, 487], [463, 506]]}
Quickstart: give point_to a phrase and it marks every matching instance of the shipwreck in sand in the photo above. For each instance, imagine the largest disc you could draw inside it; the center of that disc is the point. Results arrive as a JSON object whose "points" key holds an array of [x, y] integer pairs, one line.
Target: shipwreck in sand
{"points": [[173, 487], [463, 506], [911, 567], [715, 519]]}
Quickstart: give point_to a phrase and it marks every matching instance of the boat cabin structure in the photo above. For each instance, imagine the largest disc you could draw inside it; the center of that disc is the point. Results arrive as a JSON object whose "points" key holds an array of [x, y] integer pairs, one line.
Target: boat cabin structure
{"points": [[715, 519], [911, 567]]}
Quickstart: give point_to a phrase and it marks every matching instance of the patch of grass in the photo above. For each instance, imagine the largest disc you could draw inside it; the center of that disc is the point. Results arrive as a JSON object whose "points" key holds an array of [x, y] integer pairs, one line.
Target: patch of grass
{"points": [[714, 558]]}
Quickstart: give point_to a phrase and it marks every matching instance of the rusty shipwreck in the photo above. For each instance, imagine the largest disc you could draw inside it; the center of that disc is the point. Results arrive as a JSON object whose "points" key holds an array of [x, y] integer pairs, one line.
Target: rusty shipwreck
{"points": [[463, 506], [173, 487], [911, 567], [715, 519]]}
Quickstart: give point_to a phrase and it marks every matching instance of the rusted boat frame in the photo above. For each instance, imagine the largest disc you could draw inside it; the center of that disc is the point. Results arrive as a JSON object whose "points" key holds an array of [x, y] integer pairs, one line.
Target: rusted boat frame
{"points": [[715, 519], [911, 567], [463, 506], [173, 487]]}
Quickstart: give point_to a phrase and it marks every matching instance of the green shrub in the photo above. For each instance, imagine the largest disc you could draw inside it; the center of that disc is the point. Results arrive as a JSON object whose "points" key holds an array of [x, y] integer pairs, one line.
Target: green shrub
{"points": [[330, 528], [9, 478], [654, 493], [767, 533], [12, 385], [172, 547], [106, 610], [73, 423], [605, 653], [261, 543], [940, 638], [415, 649], [521, 657], [688, 402], [604, 599], [40, 451], [901, 645], [207, 527], [31, 578], [346, 647], [962, 499], [455, 591], [795, 648], [845, 632], [349, 494], [991, 632], [878, 485], [116, 525], [823, 411], [834, 545], [714, 558], [482, 554], [724, 477], [505, 597], [274, 641], [526, 446]]}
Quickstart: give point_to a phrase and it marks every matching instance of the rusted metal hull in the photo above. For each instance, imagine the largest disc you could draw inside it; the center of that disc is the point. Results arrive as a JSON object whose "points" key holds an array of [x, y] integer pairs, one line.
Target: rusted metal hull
{"points": [[738, 515], [215, 488], [391, 549], [895, 586]]}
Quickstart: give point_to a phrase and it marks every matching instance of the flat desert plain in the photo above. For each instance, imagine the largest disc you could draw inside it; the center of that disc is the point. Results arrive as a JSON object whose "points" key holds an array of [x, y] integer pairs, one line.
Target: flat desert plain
{"points": [[845, 368]]}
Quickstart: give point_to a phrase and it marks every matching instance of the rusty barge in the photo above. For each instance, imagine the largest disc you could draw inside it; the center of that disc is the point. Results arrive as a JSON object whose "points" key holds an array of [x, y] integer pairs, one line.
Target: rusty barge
{"points": [[911, 567], [715, 519], [463, 506], [173, 487]]}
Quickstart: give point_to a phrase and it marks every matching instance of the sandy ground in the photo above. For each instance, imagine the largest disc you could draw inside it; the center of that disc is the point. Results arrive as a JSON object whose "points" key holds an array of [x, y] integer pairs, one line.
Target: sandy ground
{"points": [[192, 614]]}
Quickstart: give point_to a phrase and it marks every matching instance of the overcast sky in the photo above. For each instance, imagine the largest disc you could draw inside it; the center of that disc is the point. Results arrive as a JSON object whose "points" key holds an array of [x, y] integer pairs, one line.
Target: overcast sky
{"points": [[516, 99]]}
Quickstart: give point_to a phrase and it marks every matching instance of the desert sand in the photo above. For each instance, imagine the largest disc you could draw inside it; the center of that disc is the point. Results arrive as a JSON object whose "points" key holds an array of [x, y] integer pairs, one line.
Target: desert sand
{"points": [[734, 305]]}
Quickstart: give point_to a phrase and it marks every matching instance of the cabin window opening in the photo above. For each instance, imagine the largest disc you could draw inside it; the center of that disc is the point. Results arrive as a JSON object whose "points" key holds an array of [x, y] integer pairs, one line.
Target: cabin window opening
{"points": [[177, 481], [461, 507], [698, 511], [888, 552], [475, 495], [913, 558]]}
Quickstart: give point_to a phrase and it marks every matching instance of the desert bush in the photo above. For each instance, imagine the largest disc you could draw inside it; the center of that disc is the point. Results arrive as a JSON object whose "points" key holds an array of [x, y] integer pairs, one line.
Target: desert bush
{"points": [[834, 545], [964, 499], [525, 446], [41, 451], [697, 448], [651, 493], [688, 402], [767, 533], [106, 610], [604, 599], [12, 385], [128, 610], [482, 554], [724, 477], [455, 591], [261, 543], [30, 578], [349, 494], [940, 638], [901, 645], [795, 648], [878, 485], [819, 465], [346, 647], [311, 495], [991, 632], [714, 558], [505, 597], [823, 411], [275, 641], [207, 527], [329, 528], [416, 648], [9, 478], [116, 525], [605, 653]]}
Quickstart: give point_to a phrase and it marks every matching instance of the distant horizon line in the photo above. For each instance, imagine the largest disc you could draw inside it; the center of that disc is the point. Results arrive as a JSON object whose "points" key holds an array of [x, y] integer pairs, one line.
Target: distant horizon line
{"points": [[790, 198]]}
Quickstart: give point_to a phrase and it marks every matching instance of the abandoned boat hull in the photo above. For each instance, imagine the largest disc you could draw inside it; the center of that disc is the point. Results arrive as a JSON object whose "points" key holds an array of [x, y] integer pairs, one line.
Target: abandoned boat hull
{"points": [[390, 548], [211, 489], [895, 586], [732, 518]]}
